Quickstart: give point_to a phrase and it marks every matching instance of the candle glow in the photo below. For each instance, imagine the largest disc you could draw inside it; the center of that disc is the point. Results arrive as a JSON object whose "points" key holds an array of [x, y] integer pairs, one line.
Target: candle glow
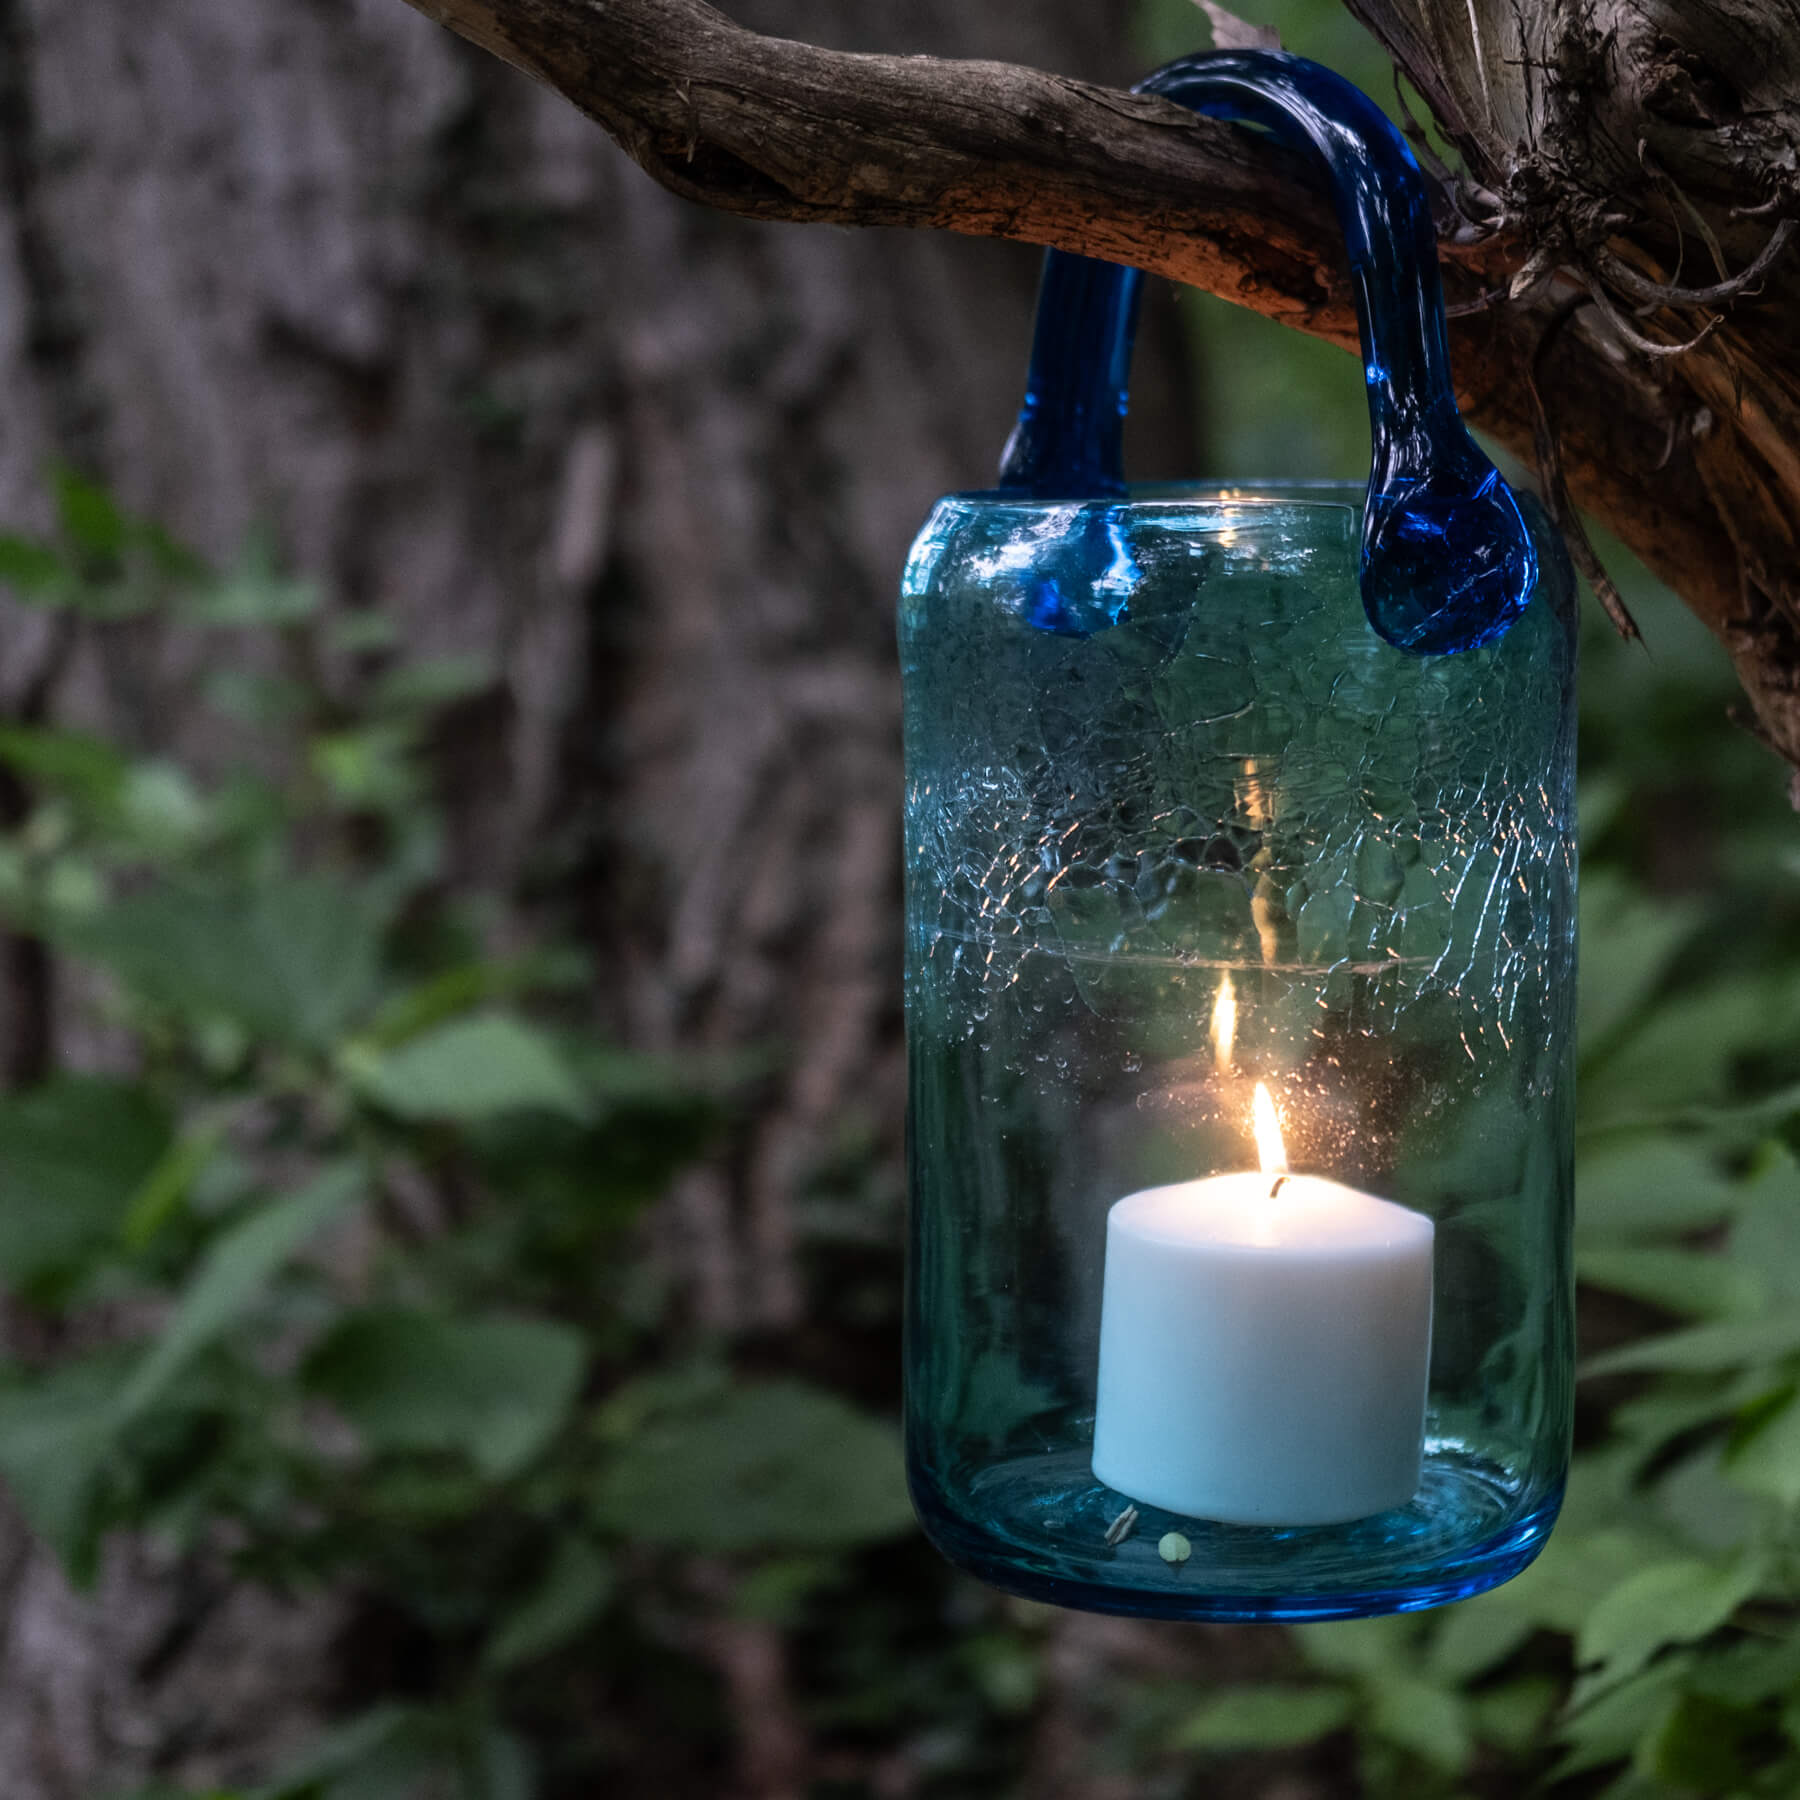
{"points": [[1224, 1024]]}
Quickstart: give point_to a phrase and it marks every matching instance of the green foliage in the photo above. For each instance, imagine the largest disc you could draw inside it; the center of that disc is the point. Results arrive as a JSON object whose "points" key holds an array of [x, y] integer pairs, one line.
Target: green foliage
{"points": [[1673, 1602], [576, 1584], [343, 1272], [64, 1186], [1265, 1718], [774, 1465], [493, 1389], [394, 1752], [480, 1067], [234, 1269], [291, 962]]}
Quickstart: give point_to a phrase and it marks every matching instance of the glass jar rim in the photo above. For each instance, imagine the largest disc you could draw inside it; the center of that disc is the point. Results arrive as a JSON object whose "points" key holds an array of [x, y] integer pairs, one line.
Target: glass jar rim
{"points": [[1322, 497]]}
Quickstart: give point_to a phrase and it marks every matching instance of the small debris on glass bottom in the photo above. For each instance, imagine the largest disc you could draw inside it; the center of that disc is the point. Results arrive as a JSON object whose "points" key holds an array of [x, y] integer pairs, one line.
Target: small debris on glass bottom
{"points": [[1121, 1528], [1172, 1547]]}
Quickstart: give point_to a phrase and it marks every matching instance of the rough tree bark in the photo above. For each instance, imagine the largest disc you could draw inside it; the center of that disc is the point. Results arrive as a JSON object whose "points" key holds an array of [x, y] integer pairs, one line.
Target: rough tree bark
{"points": [[1626, 164], [314, 263]]}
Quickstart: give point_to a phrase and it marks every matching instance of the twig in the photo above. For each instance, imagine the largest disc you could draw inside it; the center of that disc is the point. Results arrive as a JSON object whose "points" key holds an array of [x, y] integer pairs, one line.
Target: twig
{"points": [[1636, 340], [1659, 293], [1556, 492], [1465, 308]]}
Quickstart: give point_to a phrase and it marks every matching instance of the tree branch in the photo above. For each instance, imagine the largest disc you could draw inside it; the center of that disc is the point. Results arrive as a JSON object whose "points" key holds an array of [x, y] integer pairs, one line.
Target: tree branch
{"points": [[772, 129]]}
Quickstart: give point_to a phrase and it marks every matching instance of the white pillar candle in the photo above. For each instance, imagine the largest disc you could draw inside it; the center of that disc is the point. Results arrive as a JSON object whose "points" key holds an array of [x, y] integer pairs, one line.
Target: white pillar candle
{"points": [[1263, 1354]]}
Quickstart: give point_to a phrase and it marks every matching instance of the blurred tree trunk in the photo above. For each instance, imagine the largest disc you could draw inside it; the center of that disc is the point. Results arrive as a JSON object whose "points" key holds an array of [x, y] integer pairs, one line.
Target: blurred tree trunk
{"points": [[316, 265]]}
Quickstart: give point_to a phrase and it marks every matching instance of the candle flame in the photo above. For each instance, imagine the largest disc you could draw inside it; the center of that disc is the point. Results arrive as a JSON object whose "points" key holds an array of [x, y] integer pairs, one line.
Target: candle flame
{"points": [[1224, 1023], [1269, 1148]]}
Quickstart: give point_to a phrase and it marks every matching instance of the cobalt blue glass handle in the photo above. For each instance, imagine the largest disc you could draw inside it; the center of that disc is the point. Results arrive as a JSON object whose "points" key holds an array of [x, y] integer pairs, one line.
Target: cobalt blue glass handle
{"points": [[1448, 561]]}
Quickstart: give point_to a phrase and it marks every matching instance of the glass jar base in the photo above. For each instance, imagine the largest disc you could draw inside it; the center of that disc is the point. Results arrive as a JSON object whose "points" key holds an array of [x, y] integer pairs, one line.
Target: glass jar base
{"points": [[1036, 1526]]}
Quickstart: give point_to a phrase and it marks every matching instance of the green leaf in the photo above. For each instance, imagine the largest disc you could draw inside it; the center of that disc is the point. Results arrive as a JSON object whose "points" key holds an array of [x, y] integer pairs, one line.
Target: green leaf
{"points": [[253, 592], [1685, 1048], [1707, 1512], [72, 1154], [91, 519], [1741, 1125], [372, 768], [1704, 1349], [1748, 1673], [502, 1768], [414, 1495], [433, 683], [775, 1591], [676, 1388], [1515, 1715], [361, 632], [1595, 1504], [338, 1750], [231, 1275], [472, 1069], [1374, 1648], [157, 1791], [161, 811], [1765, 1237], [320, 943], [1600, 800], [442, 996], [1265, 1718], [55, 1435], [1427, 1720], [88, 770], [766, 1465], [1673, 1602], [1005, 1668], [1679, 1404], [72, 891], [293, 962], [1474, 1636], [33, 570], [1702, 1743], [573, 1591], [1609, 1728], [1776, 1774], [1648, 1187], [1767, 1461], [163, 1190], [1628, 941], [496, 1389], [1576, 1571], [1699, 1284], [252, 697]]}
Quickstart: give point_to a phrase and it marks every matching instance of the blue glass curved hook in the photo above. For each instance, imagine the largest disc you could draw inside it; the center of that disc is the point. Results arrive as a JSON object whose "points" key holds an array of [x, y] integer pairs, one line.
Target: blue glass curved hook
{"points": [[1447, 559]]}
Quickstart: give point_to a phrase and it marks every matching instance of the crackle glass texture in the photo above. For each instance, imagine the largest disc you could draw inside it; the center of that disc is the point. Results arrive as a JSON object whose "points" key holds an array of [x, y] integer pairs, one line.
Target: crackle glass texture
{"points": [[1226, 780]]}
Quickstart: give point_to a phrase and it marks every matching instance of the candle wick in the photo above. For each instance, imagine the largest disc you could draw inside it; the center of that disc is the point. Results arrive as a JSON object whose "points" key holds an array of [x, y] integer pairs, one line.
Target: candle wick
{"points": [[1275, 1186]]}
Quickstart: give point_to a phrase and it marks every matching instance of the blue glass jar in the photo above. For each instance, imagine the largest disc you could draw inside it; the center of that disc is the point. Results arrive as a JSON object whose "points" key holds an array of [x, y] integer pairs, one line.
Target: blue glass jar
{"points": [[1240, 939]]}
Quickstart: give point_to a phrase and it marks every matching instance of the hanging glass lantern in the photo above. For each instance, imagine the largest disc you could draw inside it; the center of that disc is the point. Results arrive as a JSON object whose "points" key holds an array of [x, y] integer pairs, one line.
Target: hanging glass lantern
{"points": [[1240, 941]]}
